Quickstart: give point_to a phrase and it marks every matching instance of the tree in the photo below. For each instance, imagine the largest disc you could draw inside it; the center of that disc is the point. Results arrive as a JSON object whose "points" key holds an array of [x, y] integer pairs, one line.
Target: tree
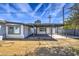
{"points": [[37, 22], [75, 9], [74, 19], [73, 22]]}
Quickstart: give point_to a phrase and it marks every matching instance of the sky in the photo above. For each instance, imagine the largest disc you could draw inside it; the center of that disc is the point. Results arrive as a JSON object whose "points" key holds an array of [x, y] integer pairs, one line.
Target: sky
{"points": [[30, 12]]}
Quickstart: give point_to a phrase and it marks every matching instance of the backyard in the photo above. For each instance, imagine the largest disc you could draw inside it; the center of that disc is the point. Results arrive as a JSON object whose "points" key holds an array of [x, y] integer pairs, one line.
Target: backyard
{"points": [[29, 47]]}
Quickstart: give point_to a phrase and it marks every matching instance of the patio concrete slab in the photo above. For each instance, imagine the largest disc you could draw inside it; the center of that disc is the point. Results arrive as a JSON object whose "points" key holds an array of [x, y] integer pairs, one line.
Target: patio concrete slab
{"points": [[56, 36]]}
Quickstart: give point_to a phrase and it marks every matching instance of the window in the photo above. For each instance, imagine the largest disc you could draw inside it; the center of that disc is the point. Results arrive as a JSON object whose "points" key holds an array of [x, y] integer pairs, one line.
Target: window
{"points": [[17, 29], [13, 29], [42, 29]]}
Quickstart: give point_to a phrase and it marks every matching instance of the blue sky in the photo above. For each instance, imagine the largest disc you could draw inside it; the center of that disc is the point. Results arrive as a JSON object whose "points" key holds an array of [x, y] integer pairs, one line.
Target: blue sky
{"points": [[29, 12]]}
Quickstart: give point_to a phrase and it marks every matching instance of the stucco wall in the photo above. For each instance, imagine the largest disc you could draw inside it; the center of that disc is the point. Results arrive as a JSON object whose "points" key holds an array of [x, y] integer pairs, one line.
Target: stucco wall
{"points": [[48, 30], [27, 31], [54, 30]]}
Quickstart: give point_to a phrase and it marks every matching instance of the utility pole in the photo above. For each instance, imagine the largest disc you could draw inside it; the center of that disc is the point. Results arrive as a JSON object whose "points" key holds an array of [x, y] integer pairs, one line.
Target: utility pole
{"points": [[63, 15], [50, 16], [63, 20]]}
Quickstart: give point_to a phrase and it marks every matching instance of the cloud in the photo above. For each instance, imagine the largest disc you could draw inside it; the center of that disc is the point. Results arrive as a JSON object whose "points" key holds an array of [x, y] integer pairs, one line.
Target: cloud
{"points": [[28, 15], [59, 9], [46, 10], [37, 8]]}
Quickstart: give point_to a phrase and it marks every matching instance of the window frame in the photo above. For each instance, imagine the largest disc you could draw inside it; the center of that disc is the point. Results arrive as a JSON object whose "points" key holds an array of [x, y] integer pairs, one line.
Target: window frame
{"points": [[42, 29], [14, 26]]}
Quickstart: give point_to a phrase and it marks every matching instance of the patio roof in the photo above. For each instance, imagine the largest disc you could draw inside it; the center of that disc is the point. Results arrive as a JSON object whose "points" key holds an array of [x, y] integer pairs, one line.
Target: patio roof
{"points": [[45, 25]]}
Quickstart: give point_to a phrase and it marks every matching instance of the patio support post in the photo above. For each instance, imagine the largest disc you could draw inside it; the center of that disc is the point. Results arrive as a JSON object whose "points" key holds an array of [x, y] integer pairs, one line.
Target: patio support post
{"points": [[45, 31], [36, 30], [51, 31], [63, 20], [57, 30]]}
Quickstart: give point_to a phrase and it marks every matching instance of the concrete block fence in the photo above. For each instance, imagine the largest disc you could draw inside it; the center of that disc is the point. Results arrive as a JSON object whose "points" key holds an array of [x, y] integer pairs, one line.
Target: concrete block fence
{"points": [[68, 32]]}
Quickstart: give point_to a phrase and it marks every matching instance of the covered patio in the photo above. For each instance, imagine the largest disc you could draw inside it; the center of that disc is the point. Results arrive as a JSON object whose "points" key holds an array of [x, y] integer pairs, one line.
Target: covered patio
{"points": [[43, 31]]}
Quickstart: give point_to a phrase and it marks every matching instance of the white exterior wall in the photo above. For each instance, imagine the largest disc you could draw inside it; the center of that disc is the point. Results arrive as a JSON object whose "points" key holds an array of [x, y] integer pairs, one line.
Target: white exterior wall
{"points": [[54, 30], [48, 30], [21, 35], [2, 30], [1, 33], [27, 31]]}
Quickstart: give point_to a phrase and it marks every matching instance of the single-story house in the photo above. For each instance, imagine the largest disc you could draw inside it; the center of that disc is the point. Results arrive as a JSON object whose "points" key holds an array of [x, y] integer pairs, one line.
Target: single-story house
{"points": [[22, 30]]}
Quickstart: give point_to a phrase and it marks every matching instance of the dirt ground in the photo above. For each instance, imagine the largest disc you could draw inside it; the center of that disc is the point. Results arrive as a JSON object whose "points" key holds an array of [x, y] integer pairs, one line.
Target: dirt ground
{"points": [[24, 47]]}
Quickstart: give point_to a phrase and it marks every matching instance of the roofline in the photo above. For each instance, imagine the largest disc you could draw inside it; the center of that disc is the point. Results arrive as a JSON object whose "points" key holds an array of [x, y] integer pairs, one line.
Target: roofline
{"points": [[14, 22], [33, 24], [45, 24]]}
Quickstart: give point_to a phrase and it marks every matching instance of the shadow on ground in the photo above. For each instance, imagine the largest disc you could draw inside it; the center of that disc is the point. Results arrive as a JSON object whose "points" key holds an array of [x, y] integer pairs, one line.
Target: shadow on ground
{"points": [[26, 39], [36, 37], [55, 51]]}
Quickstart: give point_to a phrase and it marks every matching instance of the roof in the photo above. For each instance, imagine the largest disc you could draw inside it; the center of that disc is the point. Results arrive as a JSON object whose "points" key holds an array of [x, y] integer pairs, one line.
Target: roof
{"points": [[33, 24], [14, 22]]}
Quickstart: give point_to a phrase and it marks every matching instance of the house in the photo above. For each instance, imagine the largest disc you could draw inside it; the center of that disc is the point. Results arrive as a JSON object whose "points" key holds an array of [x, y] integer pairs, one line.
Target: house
{"points": [[22, 30]]}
